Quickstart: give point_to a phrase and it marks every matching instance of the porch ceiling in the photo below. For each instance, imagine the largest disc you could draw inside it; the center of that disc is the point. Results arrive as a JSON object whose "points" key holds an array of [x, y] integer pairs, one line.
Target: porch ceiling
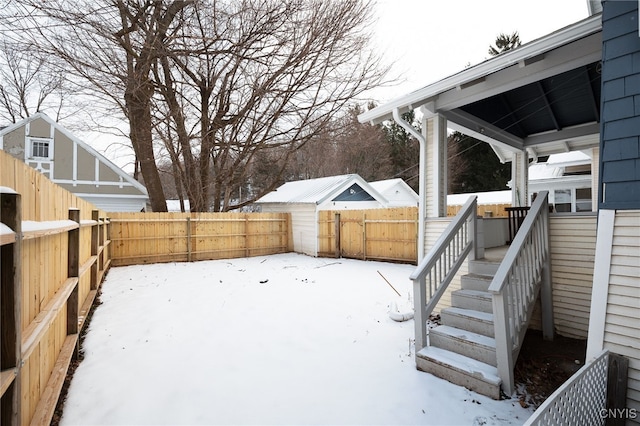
{"points": [[543, 97]]}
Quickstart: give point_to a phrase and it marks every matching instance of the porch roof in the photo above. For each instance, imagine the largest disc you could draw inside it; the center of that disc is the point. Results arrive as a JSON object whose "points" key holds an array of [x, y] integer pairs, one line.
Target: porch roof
{"points": [[543, 96]]}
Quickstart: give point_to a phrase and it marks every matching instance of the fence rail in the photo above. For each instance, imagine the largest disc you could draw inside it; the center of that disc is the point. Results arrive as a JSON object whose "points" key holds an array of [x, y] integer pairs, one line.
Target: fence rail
{"points": [[178, 237]]}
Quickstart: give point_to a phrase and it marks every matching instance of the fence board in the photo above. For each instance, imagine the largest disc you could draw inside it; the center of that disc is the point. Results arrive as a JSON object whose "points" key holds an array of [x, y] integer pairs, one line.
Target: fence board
{"points": [[139, 238]]}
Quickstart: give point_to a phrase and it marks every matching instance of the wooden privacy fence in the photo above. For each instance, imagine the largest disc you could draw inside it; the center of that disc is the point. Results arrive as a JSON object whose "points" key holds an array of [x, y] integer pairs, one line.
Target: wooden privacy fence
{"points": [[380, 234], [484, 210], [178, 237], [55, 252]]}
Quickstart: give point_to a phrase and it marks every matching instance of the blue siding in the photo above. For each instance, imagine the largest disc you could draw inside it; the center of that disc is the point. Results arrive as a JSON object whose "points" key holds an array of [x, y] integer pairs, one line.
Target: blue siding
{"points": [[620, 142]]}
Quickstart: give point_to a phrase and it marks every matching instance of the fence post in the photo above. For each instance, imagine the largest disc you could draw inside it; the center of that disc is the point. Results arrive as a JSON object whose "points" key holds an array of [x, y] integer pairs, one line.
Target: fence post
{"points": [[364, 236], [73, 269], [337, 232], [188, 239], [95, 216], [10, 302], [617, 388]]}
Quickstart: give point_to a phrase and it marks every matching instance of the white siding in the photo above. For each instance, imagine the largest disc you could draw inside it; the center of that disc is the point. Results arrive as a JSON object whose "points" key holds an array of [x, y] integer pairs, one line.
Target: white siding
{"points": [[573, 245], [304, 225], [622, 324]]}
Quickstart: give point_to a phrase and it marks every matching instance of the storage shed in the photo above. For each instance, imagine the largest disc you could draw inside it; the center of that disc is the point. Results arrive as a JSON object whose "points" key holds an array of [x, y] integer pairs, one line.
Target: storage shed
{"points": [[305, 198]]}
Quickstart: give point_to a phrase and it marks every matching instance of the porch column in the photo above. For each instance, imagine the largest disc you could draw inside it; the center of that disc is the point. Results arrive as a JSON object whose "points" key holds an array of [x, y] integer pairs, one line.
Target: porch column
{"points": [[520, 179], [435, 132]]}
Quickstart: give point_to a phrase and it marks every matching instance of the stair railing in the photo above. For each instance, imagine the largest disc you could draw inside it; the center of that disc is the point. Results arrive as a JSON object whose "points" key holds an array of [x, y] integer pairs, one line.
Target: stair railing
{"points": [[525, 270], [434, 273]]}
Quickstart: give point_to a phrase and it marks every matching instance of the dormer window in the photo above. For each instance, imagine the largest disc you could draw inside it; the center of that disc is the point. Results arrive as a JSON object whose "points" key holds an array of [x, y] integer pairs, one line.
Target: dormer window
{"points": [[41, 148]]}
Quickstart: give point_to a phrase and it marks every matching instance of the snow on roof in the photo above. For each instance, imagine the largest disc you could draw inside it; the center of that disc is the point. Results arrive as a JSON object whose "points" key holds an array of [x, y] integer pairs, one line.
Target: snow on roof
{"points": [[312, 190], [572, 158], [383, 185], [492, 197]]}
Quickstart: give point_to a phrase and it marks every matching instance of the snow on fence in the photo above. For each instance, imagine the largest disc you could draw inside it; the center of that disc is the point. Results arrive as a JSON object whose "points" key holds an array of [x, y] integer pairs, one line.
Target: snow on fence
{"points": [[183, 237], [381, 234], [54, 254]]}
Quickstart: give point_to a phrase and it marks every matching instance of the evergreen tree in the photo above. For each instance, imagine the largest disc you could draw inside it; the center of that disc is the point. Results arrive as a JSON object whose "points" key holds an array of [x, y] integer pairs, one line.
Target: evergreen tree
{"points": [[505, 42], [474, 167]]}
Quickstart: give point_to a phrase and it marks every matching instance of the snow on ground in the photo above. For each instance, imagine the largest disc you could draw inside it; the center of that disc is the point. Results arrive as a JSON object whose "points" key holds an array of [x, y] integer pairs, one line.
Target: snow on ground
{"points": [[283, 339]]}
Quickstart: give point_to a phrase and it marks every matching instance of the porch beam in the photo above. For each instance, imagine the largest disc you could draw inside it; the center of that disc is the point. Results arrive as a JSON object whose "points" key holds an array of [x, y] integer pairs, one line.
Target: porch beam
{"points": [[482, 130], [591, 129]]}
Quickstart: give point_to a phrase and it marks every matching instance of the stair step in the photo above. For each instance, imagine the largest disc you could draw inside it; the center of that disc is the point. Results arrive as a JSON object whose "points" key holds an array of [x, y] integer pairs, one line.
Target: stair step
{"points": [[483, 266], [464, 342], [472, 299], [468, 319], [460, 370], [478, 282]]}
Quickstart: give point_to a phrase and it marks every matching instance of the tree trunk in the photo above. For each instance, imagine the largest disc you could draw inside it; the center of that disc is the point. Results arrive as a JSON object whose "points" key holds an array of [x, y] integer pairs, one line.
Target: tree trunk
{"points": [[138, 100]]}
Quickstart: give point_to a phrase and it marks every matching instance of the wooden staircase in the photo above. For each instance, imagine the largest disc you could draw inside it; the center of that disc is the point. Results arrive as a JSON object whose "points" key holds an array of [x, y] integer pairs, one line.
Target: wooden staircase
{"points": [[462, 349]]}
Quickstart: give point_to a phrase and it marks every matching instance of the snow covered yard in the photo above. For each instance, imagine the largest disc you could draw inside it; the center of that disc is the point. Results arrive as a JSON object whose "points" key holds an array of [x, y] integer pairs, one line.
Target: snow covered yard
{"points": [[283, 339]]}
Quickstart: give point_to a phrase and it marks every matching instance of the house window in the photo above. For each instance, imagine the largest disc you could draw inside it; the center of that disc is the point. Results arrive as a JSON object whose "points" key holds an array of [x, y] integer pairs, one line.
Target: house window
{"points": [[41, 148], [583, 200]]}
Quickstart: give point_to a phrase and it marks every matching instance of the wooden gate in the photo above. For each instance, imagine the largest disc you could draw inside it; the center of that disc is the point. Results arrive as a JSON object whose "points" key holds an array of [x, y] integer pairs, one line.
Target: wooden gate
{"points": [[375, 234]]}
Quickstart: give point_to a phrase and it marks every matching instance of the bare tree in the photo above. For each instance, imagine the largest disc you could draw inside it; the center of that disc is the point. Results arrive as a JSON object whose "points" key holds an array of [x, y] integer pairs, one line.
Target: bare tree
{"points": [[261, 76], [28, 84], [112, 45], [215, 83]]}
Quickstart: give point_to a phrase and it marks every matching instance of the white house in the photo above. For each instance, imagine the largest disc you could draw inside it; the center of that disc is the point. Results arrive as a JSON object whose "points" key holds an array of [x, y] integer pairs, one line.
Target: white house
{"points": [[51, 149], [305, 198]]}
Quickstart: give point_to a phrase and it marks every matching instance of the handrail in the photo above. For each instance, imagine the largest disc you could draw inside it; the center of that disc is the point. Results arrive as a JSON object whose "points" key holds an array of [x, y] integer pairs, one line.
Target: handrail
{"points": [[441, 264], [523, 272]]}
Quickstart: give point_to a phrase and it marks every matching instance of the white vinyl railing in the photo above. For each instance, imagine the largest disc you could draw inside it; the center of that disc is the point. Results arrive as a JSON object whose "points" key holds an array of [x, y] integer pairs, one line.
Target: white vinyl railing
{"points": [[581, 400], [524, 271], [440, 265]]}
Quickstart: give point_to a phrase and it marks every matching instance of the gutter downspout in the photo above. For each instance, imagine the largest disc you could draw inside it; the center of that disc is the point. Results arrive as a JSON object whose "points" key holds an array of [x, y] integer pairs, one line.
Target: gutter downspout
{"points": [[421, 188]]}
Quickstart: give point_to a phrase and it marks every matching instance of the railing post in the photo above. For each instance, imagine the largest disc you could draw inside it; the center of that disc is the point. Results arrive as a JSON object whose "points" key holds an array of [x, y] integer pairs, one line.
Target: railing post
{"points": [[546, 292], [504, 350], [420, 320], [10, 303], [73, 269]]}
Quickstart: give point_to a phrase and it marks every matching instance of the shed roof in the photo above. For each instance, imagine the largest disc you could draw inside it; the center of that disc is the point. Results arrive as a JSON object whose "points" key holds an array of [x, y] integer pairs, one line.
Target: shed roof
{"points": [[316, 191]]}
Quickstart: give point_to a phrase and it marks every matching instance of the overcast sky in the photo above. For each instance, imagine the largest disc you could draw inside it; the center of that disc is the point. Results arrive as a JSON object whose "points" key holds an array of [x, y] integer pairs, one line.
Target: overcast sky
{"points": [[427, 40], [432, 39]]}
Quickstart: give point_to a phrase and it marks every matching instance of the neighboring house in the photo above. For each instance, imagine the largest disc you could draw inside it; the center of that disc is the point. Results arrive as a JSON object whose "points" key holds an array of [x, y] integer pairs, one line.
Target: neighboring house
{"points": [[304, 198], [69, 162], [577, 89], [567, 177], [397, 192]]}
